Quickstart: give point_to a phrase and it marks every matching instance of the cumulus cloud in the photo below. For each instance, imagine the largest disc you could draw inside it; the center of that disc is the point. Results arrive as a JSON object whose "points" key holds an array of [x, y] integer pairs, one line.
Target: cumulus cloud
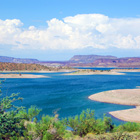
{"points": [[77, 32]]}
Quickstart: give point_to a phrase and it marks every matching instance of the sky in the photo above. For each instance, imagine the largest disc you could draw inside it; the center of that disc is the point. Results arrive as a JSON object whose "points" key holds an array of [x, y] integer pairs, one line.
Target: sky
{"points": [[58, 29]]}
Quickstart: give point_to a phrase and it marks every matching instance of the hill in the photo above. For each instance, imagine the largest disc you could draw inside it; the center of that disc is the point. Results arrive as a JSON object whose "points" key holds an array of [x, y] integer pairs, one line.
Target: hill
{"points": [[22, 67], [17, 60], [104, 61], [119, 62], [89, 58], [32, 67]]}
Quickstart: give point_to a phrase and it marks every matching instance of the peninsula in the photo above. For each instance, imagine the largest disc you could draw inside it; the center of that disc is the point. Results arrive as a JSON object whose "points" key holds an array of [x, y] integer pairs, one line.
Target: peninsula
{"points": [[123, 97]]}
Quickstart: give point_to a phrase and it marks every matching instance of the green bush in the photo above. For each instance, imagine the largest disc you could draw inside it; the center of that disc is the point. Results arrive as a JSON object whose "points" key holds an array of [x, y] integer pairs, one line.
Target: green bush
{"points": [[29, 114], [48, 128], [128, 127], [86, 123], [12, 118], [10, 124], [120, 136], [111, 136]]}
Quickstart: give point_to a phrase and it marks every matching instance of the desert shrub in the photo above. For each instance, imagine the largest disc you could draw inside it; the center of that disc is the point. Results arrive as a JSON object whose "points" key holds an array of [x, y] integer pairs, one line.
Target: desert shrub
{"points": [[111, 136], [86, 123], [48, 128], [10, 123], [12, 118], [104, 125], [120, 136], [128, 127], [28, 114]]}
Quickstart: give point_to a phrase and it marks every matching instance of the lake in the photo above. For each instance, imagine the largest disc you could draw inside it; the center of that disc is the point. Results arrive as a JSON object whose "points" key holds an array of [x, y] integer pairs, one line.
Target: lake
{"points": [[68, 94]]}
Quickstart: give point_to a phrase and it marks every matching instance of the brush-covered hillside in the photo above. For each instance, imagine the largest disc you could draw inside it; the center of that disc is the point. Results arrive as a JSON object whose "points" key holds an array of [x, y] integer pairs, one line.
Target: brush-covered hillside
{"points": [[31, 67], [23, 67]]}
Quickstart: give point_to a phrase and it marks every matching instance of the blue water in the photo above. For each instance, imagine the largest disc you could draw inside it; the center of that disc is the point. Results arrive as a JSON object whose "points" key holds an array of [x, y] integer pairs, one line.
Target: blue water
{"points": [[69, 94]]}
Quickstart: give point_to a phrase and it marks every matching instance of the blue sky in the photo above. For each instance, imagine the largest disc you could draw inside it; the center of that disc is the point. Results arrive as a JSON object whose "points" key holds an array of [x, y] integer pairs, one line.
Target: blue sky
{"points": [[59, 29]]}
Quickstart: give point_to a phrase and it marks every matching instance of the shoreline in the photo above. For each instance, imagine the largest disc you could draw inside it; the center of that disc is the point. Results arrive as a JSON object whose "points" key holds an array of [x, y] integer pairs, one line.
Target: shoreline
{"points": [[22, 76], [94, 72], [129, 97], [130, 115], [81, 71], [64, 70]]}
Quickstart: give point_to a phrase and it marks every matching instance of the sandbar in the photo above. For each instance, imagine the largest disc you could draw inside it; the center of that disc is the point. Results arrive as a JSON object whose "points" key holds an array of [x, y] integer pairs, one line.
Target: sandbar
{"points": [[22, 76], [102, 72], [86, 72], [131, 115], [123, 97]]}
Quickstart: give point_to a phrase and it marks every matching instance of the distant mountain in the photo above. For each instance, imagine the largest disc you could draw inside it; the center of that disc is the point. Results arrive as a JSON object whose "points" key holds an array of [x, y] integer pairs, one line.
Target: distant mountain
{"points": [[104, 61], [89, 58], [81, 61], [119, 62], [17, 60]]}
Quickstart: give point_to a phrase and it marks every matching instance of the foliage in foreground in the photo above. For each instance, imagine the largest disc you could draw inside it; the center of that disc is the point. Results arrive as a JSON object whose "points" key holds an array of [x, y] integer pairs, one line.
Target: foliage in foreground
{"points": [[86, 123], [18, 123]]}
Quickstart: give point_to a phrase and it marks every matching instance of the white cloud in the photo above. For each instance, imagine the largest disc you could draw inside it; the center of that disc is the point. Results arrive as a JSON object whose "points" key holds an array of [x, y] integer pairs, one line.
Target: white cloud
{"points": [[80, 31]]}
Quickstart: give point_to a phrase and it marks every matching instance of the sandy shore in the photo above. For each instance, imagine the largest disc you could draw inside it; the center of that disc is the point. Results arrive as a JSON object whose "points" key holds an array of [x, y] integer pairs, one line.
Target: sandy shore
{"points": [[95, 73], [22, 76], [131, 115], [104, 72], [124, 97], [82, 72], [42, 71]]}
